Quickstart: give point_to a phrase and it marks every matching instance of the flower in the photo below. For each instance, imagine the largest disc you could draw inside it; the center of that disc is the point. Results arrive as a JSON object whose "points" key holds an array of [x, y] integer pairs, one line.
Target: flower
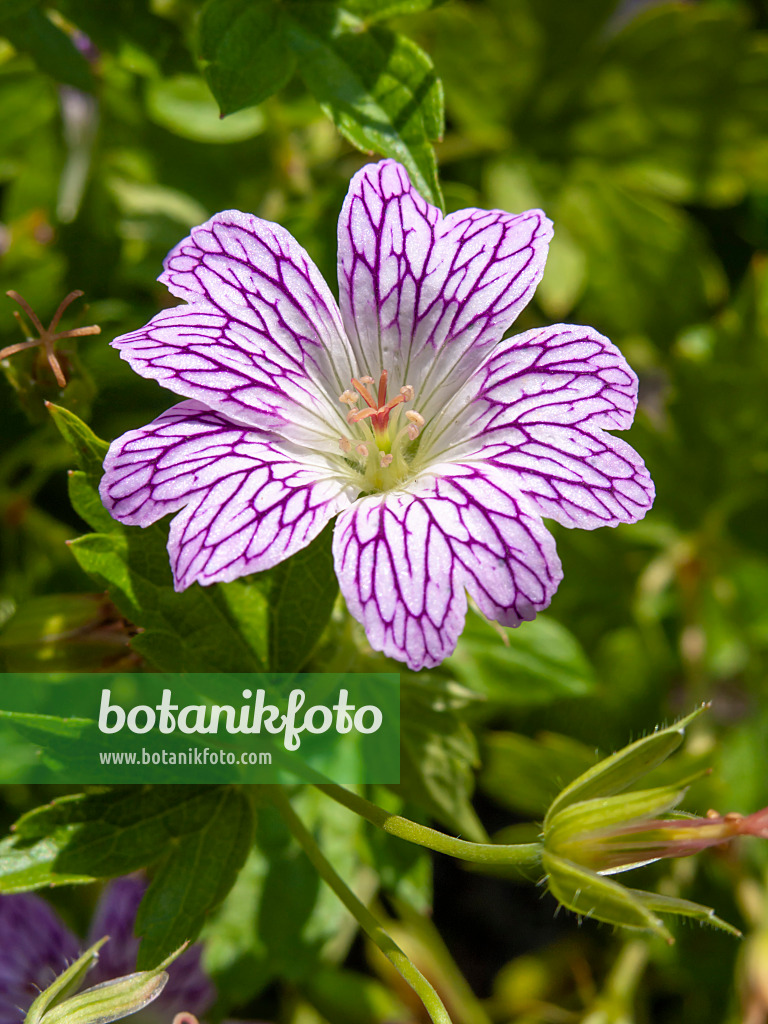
{"points": [[401, 411], [35, 946]]}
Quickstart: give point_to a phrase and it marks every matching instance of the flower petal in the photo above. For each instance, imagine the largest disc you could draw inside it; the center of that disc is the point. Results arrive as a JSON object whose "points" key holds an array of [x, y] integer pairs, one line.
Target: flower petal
{"points": [[405, 558], [413, 284], [247, 503], [35, 946], [188, 987], [262, 340]]}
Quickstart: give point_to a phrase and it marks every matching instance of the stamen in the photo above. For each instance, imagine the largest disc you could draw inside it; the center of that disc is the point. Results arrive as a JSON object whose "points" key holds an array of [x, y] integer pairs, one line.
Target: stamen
{"points": [[407, 392], [355, 415], [413, 431], [366, 380], [362, 450], [345, 444], [363, 392], [349, 398], [385, 460]]}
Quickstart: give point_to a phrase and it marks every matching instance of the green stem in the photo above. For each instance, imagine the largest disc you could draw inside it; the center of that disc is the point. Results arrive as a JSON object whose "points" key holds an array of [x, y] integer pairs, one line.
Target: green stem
{"points": [[525, 856], [359, 911]]}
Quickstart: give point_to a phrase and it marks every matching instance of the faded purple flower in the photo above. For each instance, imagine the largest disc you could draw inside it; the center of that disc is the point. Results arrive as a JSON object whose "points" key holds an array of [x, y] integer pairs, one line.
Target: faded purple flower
{"points": [[401, 411], [35, 946]]}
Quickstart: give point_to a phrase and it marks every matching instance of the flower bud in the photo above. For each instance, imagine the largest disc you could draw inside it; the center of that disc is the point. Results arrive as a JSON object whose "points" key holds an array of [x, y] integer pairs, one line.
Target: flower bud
{"points": [[102, 1004], [594, 829]]}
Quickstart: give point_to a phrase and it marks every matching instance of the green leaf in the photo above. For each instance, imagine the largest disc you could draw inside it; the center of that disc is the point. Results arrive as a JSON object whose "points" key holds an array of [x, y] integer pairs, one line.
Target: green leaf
{"points": [[438, 755], [197, 874], [51, 48], [617, 772], [102, 835], [302, 592], [25, 866], [90, 451], [379, 88], [537, 664], [243, 50]]}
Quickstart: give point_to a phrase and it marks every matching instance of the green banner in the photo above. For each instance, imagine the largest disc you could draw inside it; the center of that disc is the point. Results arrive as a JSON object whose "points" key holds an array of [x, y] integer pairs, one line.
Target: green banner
{"points": [[110, 728]]}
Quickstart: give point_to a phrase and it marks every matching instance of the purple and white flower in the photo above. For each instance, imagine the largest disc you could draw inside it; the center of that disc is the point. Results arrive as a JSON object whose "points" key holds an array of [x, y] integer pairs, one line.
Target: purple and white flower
{"points": [[36, 946], [400, 411]]}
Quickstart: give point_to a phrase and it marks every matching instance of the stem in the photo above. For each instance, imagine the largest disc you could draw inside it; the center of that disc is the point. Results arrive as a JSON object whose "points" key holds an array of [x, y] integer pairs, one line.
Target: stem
{"points": [[360, 912], [524, 856]]}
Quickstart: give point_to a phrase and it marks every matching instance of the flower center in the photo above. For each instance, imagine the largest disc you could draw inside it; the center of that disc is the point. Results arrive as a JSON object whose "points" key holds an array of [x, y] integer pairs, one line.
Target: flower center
{"points": [[379, 442]]}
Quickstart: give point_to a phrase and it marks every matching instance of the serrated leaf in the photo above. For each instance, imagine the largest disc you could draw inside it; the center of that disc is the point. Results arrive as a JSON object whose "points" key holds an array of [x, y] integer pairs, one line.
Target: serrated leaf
{"points": [[684, 908], [379, 88], [51, 48], [243, 50], [194, 878], [102, 835], [302, 592]]}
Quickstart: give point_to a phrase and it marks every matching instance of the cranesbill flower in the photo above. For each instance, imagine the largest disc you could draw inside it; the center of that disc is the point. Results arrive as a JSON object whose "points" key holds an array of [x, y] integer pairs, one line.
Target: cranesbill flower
{"points": [[400, 411]]}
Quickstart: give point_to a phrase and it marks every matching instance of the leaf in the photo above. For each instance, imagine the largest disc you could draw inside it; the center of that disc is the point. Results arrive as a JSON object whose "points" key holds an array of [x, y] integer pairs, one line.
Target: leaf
{"points": [[51, 48], [379, 88], [243, 51], [25, 866], [90, 451], [102, 835], [302, 592], [197, 874], [438, 756], [65, 984], [537, 664]]}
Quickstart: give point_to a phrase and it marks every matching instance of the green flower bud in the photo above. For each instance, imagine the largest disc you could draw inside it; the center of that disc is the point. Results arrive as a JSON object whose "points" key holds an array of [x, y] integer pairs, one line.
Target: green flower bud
{"points": [[103, 1003]]}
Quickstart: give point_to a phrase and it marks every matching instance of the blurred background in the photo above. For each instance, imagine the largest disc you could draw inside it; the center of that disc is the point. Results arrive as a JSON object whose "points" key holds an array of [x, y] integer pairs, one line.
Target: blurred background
{"points": [[642, 130]]}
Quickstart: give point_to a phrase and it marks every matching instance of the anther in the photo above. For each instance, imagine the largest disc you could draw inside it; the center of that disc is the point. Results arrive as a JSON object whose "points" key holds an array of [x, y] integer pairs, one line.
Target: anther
{"points": [[413, 431], [348, 398], [407, 392], [385, 460], [345, 444], [362, 450], [415, 418], [366, 380]]}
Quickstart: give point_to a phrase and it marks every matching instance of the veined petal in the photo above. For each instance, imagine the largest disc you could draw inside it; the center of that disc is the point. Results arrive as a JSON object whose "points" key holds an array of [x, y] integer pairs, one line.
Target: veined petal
{"points": [[262, 339], [539, 406], [405, 559], [246, 502], [559, 374], [423, 296]]}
